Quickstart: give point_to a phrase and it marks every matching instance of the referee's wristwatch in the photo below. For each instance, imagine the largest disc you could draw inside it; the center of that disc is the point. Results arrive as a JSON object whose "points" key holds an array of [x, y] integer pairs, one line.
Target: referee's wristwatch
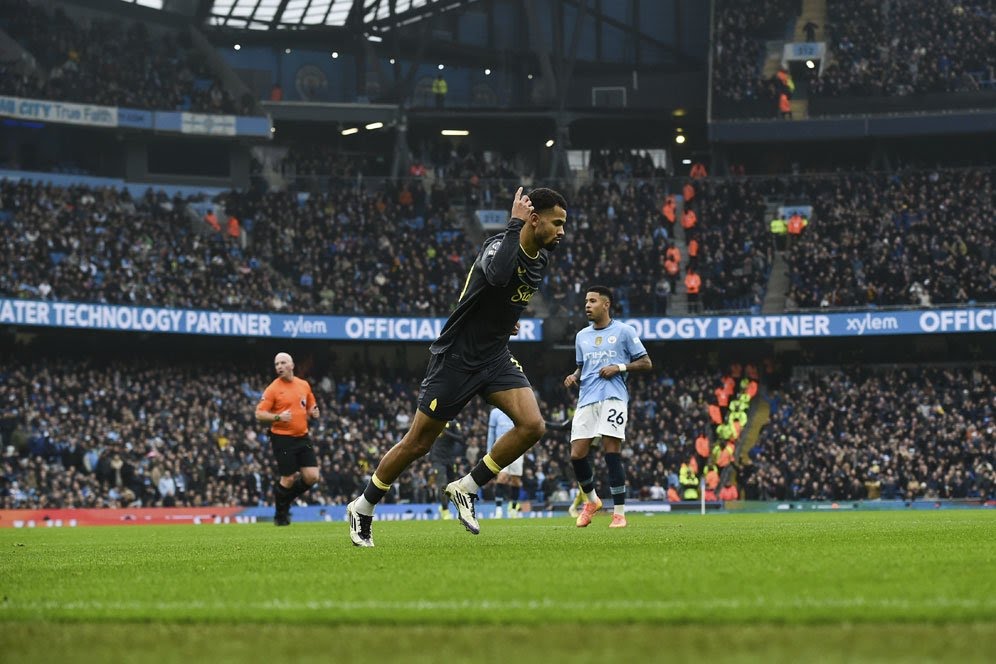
{"points": [[276, 418]]}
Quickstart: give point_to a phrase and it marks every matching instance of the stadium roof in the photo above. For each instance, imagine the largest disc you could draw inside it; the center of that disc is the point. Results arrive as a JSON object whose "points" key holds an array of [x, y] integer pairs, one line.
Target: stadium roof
{"points": [[371, 15]]}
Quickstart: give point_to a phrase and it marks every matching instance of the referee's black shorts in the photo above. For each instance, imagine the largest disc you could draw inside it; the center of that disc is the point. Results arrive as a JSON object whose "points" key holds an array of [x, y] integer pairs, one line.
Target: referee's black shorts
{"points": [[292, 453], [450, 384]]}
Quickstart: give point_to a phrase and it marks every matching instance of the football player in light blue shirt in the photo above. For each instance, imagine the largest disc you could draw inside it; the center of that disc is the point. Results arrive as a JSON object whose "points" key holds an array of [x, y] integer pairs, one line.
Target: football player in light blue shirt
{"points": [[606, 351]]}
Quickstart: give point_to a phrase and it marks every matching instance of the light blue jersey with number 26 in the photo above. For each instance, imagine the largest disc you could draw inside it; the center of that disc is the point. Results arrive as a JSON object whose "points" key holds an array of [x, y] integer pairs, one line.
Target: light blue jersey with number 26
{"points": [[616, 343]]}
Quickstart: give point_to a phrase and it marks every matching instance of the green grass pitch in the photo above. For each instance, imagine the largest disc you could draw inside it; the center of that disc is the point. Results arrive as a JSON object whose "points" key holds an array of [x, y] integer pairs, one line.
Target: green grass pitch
{"points": [[855, 586]]}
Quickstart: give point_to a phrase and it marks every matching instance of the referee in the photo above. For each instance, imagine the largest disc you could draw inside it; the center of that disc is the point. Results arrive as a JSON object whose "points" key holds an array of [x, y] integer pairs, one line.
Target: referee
{"points": [[286, 404]]}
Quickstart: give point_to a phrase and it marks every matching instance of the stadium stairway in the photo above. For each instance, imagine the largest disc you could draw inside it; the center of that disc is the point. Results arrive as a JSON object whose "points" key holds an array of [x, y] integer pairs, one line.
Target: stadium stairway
{"points": [[778, 281], [815, 11], [758, 416], [778, 284], [774, 50], [800, 109], [678, 304]]}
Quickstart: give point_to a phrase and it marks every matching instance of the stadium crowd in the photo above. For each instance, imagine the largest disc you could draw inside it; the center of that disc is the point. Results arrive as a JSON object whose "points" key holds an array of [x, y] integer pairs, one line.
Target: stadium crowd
{"points": [[394, 251], [909, 433], [86, 433], [101, 245], [914, 47], [739, 50], [397, 249], [622, 165], [107, 62], [875, 49], [916, 238]]}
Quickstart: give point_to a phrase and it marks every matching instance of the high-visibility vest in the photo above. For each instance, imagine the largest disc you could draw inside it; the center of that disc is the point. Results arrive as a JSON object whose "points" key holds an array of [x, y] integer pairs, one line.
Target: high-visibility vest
{"points": [[212, 220], [726, 456], [689, 482], [702, 446], [712, 476], [668, 209], [692, 283], [779, 227], [796, 223], [722, 398]]}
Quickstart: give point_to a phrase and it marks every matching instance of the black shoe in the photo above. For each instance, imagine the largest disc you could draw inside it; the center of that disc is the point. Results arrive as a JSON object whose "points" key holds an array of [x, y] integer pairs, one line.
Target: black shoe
{"points": [[282, 517]]}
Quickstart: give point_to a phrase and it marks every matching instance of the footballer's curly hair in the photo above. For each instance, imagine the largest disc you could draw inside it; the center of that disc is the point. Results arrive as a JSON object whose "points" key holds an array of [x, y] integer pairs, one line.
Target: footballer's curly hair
{"points": [[546, 199]]}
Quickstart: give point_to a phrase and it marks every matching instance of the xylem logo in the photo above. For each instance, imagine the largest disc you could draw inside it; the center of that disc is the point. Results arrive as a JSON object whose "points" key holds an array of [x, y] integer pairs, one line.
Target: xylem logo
{"points": [[298, 326]]}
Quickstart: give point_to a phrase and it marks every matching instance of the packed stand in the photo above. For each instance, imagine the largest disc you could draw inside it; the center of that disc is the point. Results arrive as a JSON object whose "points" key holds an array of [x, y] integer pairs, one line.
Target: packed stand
{"points": [[308, 167], [918, 238], [733, 259], [895, 49], [392, 250], [101, 245], [95, 433], [623, 165], [109, 62], [740, 34], [396, 250], [75, 434], [621, 237], [898, 434]]}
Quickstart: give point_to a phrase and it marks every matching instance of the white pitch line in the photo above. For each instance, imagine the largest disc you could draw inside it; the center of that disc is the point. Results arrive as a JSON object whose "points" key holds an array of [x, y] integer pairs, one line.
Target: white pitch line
{"points": [[510, 605]]}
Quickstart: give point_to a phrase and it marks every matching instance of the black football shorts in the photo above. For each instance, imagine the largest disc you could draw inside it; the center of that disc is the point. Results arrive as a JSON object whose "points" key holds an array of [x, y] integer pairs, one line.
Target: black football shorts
{"points": [[450, 384]]}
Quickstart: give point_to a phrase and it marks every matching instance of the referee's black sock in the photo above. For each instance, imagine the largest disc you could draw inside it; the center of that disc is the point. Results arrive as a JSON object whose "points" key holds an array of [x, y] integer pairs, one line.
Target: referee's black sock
{"points": [[281, 497], [298, 488]]}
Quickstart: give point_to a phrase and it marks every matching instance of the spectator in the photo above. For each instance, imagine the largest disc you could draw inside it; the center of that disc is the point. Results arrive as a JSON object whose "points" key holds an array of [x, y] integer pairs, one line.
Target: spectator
{"points": [[102, 60], [439, 90]]}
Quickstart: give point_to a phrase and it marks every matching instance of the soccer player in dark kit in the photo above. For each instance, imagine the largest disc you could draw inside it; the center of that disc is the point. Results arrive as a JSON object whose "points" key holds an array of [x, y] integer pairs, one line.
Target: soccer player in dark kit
{"points": [[471, 356]]}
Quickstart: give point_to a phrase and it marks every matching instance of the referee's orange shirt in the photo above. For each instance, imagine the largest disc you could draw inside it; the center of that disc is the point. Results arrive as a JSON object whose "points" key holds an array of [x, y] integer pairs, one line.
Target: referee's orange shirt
{"points": [[294, 395]]}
